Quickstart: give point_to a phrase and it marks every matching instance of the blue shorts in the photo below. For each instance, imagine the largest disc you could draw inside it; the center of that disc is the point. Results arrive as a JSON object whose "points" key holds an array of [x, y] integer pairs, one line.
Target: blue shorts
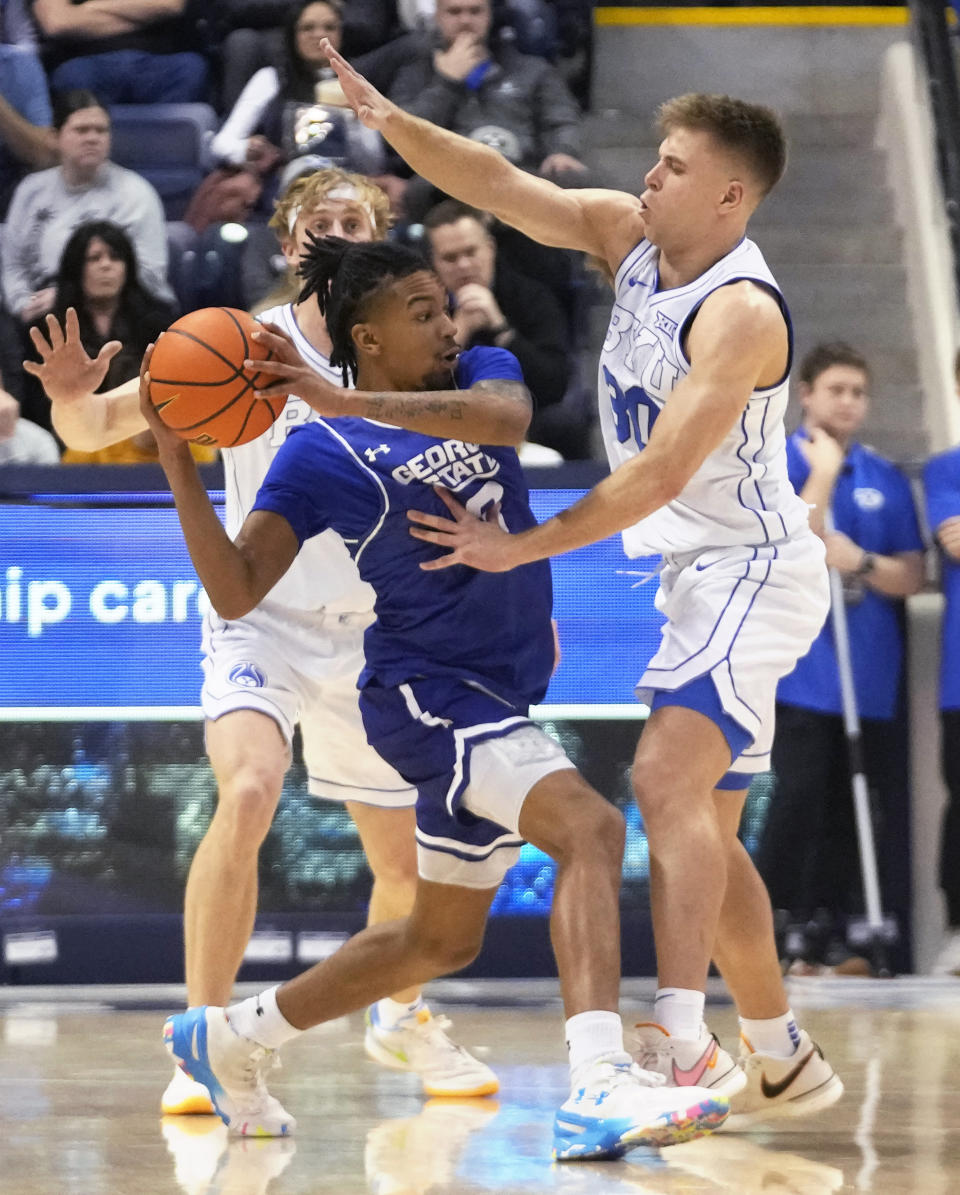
{"points": [[472, 758], [701, 695]]}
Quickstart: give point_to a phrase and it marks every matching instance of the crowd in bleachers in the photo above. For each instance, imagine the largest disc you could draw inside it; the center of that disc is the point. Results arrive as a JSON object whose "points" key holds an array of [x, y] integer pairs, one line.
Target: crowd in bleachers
{"points": [[143, 147]]}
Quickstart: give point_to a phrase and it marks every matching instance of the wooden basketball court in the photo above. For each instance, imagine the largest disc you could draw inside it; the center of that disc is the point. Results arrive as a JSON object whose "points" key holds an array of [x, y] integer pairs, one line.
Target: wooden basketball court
{"points": [[82, 1070]]}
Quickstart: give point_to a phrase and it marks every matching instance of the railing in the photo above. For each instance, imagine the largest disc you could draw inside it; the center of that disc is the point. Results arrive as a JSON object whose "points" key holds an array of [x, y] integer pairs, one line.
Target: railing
{"points": [[935, 39]]}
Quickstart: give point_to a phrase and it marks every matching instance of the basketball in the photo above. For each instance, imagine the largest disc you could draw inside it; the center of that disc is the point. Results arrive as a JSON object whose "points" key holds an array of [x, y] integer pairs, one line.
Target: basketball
{"points": [[199, 386]]}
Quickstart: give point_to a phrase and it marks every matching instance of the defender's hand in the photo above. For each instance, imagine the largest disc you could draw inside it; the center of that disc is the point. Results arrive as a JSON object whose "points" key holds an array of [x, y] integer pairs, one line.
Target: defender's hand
{"points": [[372, 108], [65, 371], [475, 542]]}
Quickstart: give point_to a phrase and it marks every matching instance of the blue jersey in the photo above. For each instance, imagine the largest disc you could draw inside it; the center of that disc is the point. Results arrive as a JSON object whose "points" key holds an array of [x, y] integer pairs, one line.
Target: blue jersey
{"points": [[360, 478], [941, 483], [872, 503]]}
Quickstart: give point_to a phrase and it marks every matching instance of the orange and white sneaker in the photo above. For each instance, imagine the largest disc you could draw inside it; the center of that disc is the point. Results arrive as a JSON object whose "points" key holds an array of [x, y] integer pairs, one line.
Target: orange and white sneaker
{"points": [[186, 1097], [778, 1087], [685, 1062], [419, 1043]]}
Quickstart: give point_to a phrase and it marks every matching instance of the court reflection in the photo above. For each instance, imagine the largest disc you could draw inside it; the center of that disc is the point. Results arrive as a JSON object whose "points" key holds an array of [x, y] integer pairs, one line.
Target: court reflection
{"points": [[206, 1161]]}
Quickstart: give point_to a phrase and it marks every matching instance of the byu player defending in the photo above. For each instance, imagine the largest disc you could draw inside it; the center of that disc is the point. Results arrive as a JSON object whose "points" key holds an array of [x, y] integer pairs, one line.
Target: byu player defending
{"points": [[453, 663], [692, 391], [295, 658]]}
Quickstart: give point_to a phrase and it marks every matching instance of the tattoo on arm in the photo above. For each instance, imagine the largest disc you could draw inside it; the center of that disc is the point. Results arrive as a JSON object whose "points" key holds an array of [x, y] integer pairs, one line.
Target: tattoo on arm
{"points": [[506, 389], [393, 408]]}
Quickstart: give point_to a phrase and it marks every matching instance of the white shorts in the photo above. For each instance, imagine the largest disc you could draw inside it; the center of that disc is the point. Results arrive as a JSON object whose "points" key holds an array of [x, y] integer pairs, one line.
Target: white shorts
{"points": [[302, 667], [742, 617], [474, 759]]}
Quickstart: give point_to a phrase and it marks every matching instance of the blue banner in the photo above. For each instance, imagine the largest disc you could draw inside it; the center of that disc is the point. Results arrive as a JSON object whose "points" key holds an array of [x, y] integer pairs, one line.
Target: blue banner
{"points": [[100, 614]]}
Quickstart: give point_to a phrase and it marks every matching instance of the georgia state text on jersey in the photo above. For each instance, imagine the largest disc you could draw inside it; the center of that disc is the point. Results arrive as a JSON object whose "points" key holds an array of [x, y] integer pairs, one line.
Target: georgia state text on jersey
{"points": [[360, 478], [323, 577], [741, 494]]}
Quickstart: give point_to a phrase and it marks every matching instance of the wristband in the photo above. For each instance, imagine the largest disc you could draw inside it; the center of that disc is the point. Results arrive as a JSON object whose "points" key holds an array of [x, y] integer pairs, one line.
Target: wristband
{"points": [[866, 565]]}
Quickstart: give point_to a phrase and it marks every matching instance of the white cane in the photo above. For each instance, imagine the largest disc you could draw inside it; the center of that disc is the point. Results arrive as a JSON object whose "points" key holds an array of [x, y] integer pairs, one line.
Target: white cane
{"points": [[858, 779]]}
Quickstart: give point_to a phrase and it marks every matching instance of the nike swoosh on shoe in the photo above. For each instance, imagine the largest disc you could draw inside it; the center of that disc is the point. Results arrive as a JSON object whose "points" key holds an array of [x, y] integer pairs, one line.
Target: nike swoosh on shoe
{"points": [[692, 1076], [772, 1090]]}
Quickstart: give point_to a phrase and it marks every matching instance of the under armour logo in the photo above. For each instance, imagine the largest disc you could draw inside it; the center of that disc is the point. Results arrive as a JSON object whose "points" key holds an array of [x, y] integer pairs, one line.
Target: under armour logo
{"points": [[371, 453]]}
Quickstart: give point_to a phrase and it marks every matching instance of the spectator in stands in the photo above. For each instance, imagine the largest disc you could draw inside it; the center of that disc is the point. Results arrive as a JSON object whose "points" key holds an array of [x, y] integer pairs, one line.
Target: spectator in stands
{"points": [[129, 52], [48, 205], [494, 304], [98, 279], [22, 442], [808, 850], [456, 78], [941, 481], [276, 116], [27, 139]]}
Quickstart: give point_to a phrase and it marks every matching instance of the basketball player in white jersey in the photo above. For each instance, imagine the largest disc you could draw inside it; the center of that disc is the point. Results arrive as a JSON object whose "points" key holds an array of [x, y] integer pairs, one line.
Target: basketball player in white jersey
{"points": [[692, 391], [294, 659]]}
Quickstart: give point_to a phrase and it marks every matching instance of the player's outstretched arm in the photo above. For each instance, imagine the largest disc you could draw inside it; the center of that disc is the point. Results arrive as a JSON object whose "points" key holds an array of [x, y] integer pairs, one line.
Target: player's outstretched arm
{"points": [[735, 344], [84, 420], [605, 224], [236, 575], [492, 411]]}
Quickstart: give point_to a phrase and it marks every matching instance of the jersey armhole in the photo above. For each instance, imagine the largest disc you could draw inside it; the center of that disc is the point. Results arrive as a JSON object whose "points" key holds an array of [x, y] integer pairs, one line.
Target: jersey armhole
{"points": [[631, 261], [784, 310]]}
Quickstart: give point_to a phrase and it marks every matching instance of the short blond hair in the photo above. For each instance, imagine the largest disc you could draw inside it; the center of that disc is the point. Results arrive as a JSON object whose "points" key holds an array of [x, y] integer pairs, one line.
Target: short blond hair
{"points": [[310, 190], [752, 131]]}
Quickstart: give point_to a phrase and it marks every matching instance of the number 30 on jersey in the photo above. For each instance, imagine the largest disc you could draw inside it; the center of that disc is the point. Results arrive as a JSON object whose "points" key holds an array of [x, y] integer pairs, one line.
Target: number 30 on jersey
{"points": [[634, 412]]}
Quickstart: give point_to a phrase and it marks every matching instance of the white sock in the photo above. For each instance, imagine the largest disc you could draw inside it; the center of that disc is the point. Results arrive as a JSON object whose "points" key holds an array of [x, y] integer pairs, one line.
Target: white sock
{"points": [[778, 1035], [392, 1012], [593, 1035], [679, 1011], [261, 1020]]}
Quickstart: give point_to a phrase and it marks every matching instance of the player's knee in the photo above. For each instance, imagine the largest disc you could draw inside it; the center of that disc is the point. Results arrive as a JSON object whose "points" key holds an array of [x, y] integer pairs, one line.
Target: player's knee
{"points": [[396, 872], [246, 804], [598, 831], [445, 953], [654, 790]]}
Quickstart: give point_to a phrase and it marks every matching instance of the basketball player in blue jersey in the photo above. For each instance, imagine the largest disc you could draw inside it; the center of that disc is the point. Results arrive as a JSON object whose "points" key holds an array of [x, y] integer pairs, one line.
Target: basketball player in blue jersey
{"points": [[293, 660], [692, 390], [453, 663]]}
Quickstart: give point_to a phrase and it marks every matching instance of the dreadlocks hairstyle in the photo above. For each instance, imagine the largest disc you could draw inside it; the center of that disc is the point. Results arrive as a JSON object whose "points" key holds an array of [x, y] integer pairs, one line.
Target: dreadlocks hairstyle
{"points": [[344, 276]]}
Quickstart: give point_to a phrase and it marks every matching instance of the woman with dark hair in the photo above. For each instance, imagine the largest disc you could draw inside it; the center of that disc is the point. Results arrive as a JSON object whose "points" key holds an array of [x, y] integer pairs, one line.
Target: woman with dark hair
{"points": [[298, 108], [49, 204], [98, 279]]}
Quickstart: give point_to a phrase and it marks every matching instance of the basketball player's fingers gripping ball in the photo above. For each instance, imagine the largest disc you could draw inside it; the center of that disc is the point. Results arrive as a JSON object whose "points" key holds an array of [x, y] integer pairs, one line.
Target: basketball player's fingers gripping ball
{"points": [[199, 386]]}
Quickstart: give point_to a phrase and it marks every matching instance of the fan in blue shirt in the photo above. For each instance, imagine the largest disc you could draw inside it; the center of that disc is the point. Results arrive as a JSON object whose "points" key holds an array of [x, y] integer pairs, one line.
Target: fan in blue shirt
{"points": [[809, 840], [941, 483], [452, 666]]}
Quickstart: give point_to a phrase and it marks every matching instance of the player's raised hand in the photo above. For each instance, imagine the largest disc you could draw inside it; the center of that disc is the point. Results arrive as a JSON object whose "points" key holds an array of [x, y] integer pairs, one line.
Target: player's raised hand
{"points": [[65, 370], [293, 374], [479, 543], [169, 444], [372, 108]]}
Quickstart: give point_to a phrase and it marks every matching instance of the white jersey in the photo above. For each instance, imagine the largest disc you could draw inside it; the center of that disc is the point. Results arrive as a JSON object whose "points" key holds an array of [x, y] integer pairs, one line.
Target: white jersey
{"points": [[323, 576], [741, 494]]}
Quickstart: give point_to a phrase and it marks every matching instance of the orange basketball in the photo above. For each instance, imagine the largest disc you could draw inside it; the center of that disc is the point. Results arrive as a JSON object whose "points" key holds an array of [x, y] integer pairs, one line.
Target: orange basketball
{"points": [[198, 383]]}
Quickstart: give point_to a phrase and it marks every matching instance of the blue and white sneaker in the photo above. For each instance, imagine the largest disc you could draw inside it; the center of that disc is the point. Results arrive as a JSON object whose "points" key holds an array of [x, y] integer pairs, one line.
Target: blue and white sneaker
{"points": [[231, 1068], [615, 1107]]}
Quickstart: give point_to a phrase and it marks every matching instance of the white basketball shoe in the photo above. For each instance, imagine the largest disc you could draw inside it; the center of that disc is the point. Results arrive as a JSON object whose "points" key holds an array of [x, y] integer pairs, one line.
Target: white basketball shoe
{"points": [[615, 1107], [419, 1043], [231, 1068], [779, 1087], [683, 1062]]}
